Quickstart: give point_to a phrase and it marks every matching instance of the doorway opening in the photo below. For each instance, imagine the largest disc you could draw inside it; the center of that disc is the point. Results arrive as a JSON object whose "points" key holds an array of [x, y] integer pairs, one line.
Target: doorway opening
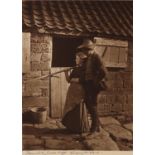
{"points": [[64, 50], [63, 55]]}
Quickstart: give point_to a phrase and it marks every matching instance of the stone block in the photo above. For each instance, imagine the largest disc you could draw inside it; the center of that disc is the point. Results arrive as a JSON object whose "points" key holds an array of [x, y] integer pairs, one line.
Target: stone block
{"points": [[118, 132], [45, 66], [28, 136], [36, 57], [60, 144], [45, 72], [129, 67], [104, 109], [110, 84], [119, 76], [101, 99], [32, 141], [35, 48], [32, 74], [45, 47], [125, 107], [111, 75], [130, 60], [31, 90], [37, 84], [120, 98], [130, 99], [120, 118], [100, 141], [127, 75], [117, 107], [41, 43], [129, 126], [108, 120], [118, 84], [40, 47], [110, 99], [46, 57], [35, 101], [39, 38], [127, 84], [35, 66], [44, 92]]}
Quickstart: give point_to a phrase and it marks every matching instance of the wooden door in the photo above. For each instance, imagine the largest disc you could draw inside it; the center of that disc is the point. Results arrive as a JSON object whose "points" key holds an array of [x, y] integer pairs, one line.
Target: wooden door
{"points": [[59, 87]]}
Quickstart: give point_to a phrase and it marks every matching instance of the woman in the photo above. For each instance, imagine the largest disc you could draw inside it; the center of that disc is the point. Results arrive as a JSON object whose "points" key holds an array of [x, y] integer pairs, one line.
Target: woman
{"points": [[75, 114]]}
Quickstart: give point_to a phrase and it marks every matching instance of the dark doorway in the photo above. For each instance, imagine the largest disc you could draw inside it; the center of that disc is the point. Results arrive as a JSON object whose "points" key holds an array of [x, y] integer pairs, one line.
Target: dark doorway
{"points": [[64, 50]]}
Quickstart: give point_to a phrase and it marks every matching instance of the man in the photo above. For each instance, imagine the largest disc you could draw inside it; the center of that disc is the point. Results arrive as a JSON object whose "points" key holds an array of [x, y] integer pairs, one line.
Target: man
{"points": [[95, 72]]}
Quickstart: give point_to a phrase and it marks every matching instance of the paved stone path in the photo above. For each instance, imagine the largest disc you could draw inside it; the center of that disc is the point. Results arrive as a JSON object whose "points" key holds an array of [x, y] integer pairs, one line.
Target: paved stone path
{"points": [[52, 135]]}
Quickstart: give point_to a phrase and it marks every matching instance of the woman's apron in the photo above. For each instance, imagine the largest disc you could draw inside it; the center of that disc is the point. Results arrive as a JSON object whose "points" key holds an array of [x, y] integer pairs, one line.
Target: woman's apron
{"points": [[75, 113]]}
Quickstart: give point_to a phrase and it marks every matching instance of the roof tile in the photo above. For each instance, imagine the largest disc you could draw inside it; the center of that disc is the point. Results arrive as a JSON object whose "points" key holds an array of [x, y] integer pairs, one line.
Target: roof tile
{"points": [[98, 18]]}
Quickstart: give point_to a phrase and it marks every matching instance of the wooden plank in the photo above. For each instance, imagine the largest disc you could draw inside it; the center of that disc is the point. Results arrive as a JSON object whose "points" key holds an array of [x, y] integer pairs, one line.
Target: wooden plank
{"points": [[26, 52], [114, 54], [55, 95], [123, 55], [110, 42], [100, 50], [64, 88], [58, 92], [116, 57], [106, 58]]}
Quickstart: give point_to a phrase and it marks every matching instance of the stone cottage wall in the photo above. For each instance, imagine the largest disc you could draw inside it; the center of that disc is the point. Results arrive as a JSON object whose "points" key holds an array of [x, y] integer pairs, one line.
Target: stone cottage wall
{"points": [[36, 92], [119, 98]]}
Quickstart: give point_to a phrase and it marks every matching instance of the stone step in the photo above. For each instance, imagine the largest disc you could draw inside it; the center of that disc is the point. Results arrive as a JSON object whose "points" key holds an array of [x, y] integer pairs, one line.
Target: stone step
{"points": [[100, 141], [129, 126], [56, 144], [118, 132]]}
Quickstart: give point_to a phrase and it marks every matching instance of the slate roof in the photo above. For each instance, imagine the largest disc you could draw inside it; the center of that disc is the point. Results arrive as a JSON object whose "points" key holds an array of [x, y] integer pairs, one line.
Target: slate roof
{"points": [[79, 18]]}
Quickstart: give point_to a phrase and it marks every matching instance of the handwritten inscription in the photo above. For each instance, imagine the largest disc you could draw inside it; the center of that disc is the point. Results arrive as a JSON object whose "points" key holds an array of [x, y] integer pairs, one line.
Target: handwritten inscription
{"points": [[77, 152]]}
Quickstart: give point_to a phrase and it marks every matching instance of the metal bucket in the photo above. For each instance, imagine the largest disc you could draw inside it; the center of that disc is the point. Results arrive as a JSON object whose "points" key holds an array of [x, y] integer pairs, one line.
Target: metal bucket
{"points": [[39, 114]]}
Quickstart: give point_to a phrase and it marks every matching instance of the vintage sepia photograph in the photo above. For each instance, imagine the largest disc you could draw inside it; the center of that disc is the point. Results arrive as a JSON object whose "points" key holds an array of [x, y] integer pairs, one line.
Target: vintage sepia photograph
{"points": [[77, 75]]}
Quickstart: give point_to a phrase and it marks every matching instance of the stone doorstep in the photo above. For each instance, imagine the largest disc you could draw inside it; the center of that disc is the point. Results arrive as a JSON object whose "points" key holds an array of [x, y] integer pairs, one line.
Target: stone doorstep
{"points": [[102, 143], [118, 132], [99, 141], [124, 145], [62, 144], [129, 126], [24, 136], [32, 141], [58, 137], [46, 125]]}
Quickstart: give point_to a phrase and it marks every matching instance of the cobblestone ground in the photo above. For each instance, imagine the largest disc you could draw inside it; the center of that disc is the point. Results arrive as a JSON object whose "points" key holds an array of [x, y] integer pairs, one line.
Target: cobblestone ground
{"points": [[52, 135]]}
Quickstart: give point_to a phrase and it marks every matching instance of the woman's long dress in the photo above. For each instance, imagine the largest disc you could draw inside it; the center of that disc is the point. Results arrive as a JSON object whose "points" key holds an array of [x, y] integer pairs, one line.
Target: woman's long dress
{"points": [[75, 113]]}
